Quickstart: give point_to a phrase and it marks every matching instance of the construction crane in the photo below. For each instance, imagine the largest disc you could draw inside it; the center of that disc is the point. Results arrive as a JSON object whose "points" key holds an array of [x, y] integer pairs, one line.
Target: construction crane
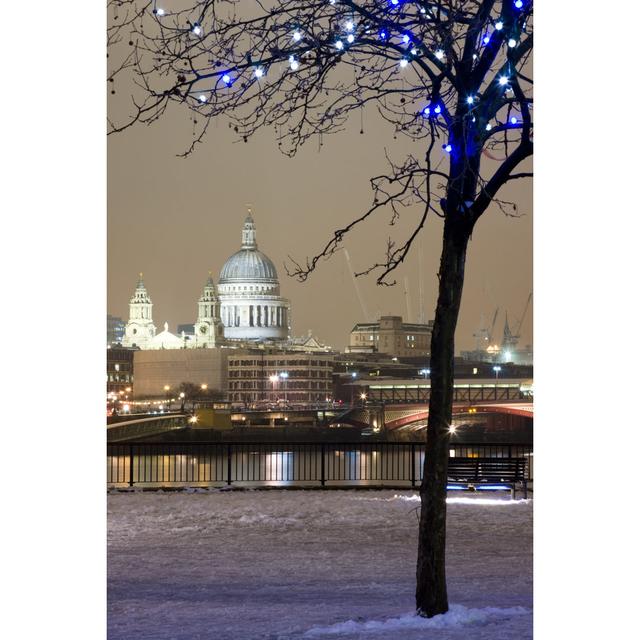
{"points": [[509, 339], [365, 312], [407, 299], [484, 336], [526, 307]]}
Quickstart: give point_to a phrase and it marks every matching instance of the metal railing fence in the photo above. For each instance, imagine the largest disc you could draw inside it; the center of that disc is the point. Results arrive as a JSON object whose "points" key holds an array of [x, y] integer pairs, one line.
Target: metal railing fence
{"points": [[393, 464]]}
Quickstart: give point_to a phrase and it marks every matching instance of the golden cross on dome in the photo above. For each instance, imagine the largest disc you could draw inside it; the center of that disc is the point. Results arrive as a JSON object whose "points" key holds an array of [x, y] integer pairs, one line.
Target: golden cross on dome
{"points": [[249, 208]]}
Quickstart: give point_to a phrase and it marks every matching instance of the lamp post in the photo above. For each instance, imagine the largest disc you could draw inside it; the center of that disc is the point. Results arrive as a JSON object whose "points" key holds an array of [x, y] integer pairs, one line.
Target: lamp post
{"points": [[167, 388], [273, 379], [182, 401], [284, 375], [497, 370]]}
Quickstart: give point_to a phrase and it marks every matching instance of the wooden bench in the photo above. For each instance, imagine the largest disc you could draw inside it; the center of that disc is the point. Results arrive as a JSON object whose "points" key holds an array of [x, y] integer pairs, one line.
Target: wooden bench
{"points": [[487, 474]]}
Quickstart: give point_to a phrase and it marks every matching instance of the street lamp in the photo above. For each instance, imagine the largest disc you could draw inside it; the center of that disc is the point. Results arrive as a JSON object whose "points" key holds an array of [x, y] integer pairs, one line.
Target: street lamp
{"points": [[497, 369], [425, 372], [284, 375], [273, 379]]}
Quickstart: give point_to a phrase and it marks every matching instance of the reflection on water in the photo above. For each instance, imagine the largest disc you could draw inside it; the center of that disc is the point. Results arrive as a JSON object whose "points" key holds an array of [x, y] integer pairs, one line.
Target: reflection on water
{"points": [[256, 464], [271, 467]]}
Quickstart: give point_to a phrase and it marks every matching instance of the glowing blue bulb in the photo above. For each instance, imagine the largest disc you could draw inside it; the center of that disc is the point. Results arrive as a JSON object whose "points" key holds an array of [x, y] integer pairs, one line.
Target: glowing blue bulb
{"points": [[297, 36], [160, 12], [414, 51], [404, 62], [339, 45], [503, 80], [294, 64], [438, 109], [395, 2], [488, 127], [426, 111], [197, 29], [475, 57], [439, 54], [486, 39], [349, 26], [499, 26], [350, 38], [470, 99], [226, 78], [423, 10], [383, 35], [202, 98], [258, 73], [512, 43], [405, 39], [514, 120], [332, 1], [447, 148], [518, 4]]}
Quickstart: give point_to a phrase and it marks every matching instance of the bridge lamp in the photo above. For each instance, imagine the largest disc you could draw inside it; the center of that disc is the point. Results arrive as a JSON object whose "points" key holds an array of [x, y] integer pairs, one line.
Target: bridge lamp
{"points": [[284, 375], [193, 419], [204, 386], [182, 394], [363, 396], [497, 370], [273, 378], [167, 387], [452, 429]]}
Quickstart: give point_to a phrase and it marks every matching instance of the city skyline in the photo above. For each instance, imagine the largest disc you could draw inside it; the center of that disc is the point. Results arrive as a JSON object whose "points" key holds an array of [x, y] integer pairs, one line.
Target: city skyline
{"points": [[172, 219]]}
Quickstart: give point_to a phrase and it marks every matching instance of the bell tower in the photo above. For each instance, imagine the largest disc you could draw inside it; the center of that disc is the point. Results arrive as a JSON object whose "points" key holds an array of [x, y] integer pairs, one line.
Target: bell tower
{"points": [[140, 328], [208, 328]]}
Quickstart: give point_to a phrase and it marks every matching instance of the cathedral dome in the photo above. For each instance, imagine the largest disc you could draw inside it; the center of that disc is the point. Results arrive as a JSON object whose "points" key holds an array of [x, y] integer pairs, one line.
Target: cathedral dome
{"points": [[248, 265]]}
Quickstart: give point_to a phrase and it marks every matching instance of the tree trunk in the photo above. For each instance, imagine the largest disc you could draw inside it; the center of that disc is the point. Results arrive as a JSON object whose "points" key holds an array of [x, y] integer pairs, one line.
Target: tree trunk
{"points": [[431, 588]]}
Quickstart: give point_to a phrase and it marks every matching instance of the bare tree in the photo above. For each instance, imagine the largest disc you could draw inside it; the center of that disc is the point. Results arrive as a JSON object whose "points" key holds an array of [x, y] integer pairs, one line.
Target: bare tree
{"points": [[450, 73]]}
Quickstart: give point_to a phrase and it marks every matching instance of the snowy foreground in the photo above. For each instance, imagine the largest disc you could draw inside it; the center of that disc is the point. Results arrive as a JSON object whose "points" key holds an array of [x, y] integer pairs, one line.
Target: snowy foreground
{"points": [[311, 564]]}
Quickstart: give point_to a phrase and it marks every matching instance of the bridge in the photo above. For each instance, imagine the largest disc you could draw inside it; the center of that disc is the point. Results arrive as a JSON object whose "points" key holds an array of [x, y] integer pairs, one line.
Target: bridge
{"points": [[148, 426], [414, 416]]}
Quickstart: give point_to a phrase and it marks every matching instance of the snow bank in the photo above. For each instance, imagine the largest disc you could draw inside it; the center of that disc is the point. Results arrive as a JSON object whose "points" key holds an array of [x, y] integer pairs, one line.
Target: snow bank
{"points": [[457, 616]]}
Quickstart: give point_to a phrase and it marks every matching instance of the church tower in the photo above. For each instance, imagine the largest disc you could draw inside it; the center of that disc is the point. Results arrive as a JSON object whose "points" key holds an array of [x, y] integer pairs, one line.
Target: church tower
{"points": [[140, 328], [208, 328]]}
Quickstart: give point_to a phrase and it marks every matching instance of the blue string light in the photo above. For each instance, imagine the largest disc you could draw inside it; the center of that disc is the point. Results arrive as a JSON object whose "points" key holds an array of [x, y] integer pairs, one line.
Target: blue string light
{"points": [[403, 62], [447, 147], [406, 38], [514, 120], [383, 35], [426, 112], [350, 38], [339, 45], [438, 109], [297, 36], [226, 78], [518, 4]]}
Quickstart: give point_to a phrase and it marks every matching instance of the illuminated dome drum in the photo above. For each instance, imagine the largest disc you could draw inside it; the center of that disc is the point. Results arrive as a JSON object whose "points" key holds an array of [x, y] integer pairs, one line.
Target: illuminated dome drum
{"points": [[250, 304]]}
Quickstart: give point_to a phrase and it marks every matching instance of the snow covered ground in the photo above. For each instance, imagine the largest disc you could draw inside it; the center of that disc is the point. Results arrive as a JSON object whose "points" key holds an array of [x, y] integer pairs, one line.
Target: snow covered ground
{"points": [[221, 565]]}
